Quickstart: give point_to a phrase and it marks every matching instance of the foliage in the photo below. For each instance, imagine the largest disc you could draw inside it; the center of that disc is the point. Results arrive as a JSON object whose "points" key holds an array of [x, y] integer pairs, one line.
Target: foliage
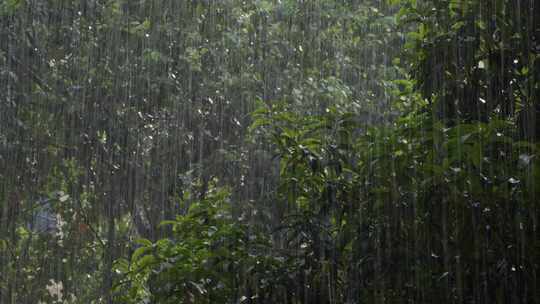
{"points": [[417, 202], [145, 97], [391, 154], [207, 259], [474, 60]]}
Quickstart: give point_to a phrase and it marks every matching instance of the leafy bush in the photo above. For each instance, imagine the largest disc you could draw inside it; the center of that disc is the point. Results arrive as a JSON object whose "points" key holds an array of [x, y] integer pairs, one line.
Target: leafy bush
{"points": [[205, 261]]}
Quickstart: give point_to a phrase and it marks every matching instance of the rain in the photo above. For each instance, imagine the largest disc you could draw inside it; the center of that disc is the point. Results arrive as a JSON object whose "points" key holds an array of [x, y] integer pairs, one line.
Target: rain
{"points": [[269, 151]]}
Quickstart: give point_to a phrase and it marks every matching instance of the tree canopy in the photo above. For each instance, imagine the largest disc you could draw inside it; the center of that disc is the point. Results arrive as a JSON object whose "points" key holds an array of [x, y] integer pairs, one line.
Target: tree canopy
{"points": [[269, 151]]}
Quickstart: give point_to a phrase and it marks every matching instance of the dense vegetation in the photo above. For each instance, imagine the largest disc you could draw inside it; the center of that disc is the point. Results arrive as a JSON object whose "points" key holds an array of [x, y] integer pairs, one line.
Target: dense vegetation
{"points": [[265, 151]]}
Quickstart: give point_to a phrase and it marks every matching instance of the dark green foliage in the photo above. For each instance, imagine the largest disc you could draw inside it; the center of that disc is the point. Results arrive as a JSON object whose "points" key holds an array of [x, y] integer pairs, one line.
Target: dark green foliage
{"points": [[440, 210], [364, 162], [476, 60], [142, 98], [210, 258]]}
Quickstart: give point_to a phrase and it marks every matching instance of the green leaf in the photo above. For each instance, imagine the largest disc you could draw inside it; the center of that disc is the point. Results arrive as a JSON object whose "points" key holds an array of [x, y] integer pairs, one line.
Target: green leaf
{"points": [[144, 242], [139, 252], [458, 25], [22, 232], [168, 223], [121, 266], [146, 261]]}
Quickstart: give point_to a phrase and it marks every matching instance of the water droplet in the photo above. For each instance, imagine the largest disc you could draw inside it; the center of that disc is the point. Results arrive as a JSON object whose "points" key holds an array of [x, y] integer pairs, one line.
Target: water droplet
{"points": [[512, 180]]}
